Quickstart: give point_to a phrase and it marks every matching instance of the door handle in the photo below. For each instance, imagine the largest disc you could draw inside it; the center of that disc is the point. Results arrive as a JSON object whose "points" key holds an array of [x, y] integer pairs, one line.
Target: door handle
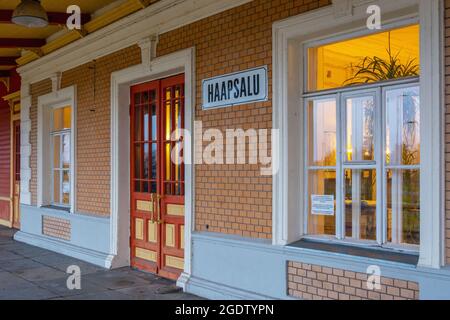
{"points": [[152, 199], [158, 208]]}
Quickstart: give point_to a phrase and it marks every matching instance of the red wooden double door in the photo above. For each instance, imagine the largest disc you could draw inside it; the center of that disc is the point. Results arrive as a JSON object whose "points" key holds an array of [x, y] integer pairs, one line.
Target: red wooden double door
{"points": [[157, 177]]}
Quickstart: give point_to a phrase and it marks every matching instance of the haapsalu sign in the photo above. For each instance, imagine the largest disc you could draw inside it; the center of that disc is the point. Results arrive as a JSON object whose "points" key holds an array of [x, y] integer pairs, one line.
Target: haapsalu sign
{"points": [[235, 88]]}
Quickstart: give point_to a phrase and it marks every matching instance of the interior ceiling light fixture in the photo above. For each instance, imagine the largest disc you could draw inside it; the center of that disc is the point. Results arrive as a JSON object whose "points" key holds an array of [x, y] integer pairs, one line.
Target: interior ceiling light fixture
{"points": [[31, 14]]}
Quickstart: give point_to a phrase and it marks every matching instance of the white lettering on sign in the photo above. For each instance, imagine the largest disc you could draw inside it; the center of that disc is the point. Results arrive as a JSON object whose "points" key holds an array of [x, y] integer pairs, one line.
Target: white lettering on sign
{"points": [[235, 88], [322, 205]]}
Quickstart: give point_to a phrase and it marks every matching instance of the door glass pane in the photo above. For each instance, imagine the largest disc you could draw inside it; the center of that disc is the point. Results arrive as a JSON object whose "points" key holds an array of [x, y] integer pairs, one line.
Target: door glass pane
{"points": [[360, 204], [154, 123], [56, 186], [146, 123], [66, 151], [137, 161], [66, 188], [321, 183], [152, 96], [137, 98], [403, 206], [322, 132], [56, 151], [144, 97], [403, 126], [137, 124], [153, 187], [168, 123], [360, 128], [168, 163], [154, 163], [145, 185], [146, 161]]}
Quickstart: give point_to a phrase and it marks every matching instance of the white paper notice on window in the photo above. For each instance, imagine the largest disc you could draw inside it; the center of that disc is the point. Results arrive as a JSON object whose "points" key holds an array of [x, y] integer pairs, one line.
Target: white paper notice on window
{"points": [[322, 205]]}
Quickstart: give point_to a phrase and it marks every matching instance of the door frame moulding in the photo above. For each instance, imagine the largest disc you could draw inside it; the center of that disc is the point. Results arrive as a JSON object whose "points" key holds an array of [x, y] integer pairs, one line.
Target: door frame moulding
{"points": [[342, 17], [121, 81]]}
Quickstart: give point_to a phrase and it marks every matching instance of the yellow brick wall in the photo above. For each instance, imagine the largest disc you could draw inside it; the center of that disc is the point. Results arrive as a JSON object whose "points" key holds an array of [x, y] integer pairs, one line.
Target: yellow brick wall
{"points": [[234, 199], [37, 89], [314, 282]]}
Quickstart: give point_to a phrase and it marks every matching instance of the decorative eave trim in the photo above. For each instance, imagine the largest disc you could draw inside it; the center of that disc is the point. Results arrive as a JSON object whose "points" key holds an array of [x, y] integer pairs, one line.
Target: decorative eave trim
{"points": [[158, 18], [12, 96], [6, 82]]}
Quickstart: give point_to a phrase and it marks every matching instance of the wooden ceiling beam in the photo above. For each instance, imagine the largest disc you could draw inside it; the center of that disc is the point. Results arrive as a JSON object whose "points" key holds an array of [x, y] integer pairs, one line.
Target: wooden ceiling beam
{"points": [[54, 18], [21, 43], [8, 61]]}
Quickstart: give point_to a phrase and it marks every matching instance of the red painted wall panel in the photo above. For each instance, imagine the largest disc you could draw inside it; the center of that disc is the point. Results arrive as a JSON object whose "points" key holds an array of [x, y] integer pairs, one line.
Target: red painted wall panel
{"points": [[5, 147], [4, 210]]}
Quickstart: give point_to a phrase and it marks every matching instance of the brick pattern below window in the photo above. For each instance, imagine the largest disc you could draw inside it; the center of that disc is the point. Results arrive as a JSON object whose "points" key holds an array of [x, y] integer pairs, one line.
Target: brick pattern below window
{"points": [[56, 227], [314, 282]]}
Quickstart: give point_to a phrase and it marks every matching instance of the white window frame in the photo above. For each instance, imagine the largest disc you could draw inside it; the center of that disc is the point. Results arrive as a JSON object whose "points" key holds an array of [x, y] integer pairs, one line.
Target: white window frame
{"points": [[377, 91], [53, 168], [46, 104], [336, 20]]}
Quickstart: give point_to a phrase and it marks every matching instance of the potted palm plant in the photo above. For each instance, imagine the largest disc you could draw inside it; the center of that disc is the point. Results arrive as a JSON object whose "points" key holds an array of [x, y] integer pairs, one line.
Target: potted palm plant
{"points": [[374, 69]]}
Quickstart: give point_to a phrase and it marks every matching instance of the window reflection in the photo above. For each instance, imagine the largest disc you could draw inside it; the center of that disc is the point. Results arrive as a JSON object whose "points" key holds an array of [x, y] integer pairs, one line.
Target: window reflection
{"points": [[360, 128], [403, 126], [360, 204], [322, 132]]}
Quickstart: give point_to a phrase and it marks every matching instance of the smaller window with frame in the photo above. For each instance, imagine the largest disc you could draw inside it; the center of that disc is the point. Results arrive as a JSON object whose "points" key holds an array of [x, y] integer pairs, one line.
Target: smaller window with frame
{"points": [[60, 137]]}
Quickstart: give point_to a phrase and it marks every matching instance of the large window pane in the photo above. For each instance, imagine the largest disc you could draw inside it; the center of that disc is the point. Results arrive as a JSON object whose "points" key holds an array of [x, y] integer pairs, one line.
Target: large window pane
{"points": [[322, 132], [403, 126], [66, 187], [360, 128], [321, 183], [56, 151], [56, 187], [403, 206], [386, 55], [62, 118], [61, 148], [360, 204], [66, 151]]}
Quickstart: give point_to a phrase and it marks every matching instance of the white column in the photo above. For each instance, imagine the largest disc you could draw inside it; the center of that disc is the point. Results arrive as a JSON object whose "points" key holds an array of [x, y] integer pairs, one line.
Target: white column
{"points": [[431, 132], [25, 146]]}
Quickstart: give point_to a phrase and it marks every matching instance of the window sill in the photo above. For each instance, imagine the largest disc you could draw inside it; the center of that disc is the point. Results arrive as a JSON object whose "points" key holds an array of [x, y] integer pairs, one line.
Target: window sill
{"points": [[372, 253], [57, 208]]}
